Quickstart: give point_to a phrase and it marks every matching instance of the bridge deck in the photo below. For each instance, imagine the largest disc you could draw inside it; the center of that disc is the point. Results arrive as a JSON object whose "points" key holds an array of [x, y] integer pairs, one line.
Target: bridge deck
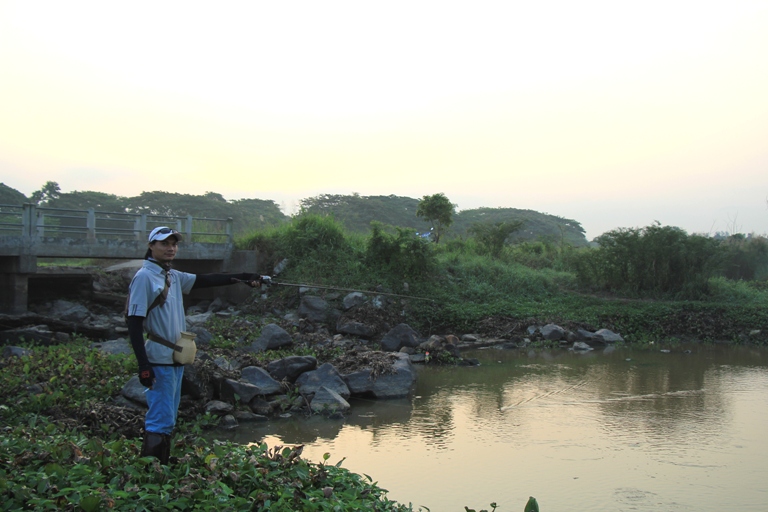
{"points": [[32, 231], [29, 232]]}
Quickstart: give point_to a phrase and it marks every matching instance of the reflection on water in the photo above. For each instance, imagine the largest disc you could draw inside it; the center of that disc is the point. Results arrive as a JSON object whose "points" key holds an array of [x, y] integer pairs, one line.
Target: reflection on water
{"points": [[609, 430]]}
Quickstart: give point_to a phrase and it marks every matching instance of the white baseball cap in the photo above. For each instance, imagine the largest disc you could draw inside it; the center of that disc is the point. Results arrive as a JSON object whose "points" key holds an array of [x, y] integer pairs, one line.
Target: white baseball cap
{"points": [[163, 232]]}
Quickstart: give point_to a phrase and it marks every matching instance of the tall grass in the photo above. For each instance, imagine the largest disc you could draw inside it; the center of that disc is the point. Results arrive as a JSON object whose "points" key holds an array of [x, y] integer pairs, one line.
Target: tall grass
{"points": [[540, 281]]}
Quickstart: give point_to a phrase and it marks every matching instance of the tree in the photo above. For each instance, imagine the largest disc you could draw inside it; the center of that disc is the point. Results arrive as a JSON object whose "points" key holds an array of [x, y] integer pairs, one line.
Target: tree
{"points": [[439, 211], [83, 200], [492, 236], [48, 193], [11, 196]]}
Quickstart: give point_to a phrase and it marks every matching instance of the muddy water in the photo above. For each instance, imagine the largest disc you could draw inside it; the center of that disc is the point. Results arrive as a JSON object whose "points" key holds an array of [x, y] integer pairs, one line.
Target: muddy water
{"points": [[634, 430]]}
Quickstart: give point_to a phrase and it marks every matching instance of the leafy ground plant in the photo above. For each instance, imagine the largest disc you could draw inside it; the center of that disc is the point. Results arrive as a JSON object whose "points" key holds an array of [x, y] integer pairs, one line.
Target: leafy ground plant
{"points": [[44, 467]]}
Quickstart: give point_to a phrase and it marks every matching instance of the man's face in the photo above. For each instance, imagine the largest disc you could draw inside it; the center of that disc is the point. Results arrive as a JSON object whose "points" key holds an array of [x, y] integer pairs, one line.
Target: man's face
{"points": [[164, 250]]}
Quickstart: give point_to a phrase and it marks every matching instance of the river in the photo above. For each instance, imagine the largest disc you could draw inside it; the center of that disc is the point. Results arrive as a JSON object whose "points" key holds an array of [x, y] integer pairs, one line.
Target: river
{"points": [[619, 430]]}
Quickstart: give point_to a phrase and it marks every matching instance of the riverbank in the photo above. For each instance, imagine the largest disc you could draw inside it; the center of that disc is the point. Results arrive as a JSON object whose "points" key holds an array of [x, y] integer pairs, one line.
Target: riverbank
{"points": [[61, 395]]}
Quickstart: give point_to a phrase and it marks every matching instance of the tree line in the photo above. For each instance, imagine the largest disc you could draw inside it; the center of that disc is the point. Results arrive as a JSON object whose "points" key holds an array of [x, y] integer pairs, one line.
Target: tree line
{"points": [[432, 215]]}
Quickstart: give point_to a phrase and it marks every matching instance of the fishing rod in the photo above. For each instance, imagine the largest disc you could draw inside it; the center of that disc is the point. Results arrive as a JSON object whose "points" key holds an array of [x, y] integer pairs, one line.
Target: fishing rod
{"points": [[268, 281]]}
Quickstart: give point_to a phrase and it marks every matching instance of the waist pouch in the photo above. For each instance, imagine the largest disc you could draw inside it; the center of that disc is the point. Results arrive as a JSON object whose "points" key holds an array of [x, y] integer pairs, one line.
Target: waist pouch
{"points": [[184, 349]]}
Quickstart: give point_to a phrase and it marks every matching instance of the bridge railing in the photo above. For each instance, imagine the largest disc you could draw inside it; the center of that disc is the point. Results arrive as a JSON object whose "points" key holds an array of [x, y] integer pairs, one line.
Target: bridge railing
{"points": [[32, 221]]}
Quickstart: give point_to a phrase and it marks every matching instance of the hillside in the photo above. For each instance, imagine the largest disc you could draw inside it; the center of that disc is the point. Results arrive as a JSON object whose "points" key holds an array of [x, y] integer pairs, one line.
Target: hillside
{"points": [[354, 211]]}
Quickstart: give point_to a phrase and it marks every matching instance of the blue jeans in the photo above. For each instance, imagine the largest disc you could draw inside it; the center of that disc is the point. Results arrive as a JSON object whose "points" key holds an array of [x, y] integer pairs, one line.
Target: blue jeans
{"points": [[163, 399]]}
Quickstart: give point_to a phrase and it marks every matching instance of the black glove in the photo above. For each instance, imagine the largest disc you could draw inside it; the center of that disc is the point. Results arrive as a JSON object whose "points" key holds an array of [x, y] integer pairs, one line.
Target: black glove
{"points": [[146, 376]]}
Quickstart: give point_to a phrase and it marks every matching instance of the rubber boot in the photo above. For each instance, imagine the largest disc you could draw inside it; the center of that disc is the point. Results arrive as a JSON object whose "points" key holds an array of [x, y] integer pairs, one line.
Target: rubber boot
{"points": [[156, 445], [166, 455]]}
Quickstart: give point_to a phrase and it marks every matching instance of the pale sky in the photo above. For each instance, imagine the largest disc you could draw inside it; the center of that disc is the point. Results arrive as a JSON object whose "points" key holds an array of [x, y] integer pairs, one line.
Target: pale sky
{"points": [[612, 113]]}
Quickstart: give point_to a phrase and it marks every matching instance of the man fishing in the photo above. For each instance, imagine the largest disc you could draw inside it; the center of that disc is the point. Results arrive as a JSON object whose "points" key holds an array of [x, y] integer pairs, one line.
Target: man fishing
{"points": [[156, 306]]}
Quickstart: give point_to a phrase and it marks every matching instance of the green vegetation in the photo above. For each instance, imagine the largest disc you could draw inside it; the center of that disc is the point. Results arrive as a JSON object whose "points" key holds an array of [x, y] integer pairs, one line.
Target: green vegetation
{"points": [[438, 210], [655, 283], [473, 280], [47, 464], [354, 212]]}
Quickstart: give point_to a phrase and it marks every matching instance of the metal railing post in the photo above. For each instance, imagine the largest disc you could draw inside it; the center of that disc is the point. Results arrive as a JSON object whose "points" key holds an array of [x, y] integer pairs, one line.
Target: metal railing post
{"points": [[230, 231], [144, 233], [90, 224], [27, 220], [188, 234], [39, 223]]}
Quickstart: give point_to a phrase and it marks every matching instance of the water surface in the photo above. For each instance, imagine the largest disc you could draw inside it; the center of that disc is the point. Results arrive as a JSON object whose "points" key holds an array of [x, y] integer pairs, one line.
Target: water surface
{"points": [[634, 430]]}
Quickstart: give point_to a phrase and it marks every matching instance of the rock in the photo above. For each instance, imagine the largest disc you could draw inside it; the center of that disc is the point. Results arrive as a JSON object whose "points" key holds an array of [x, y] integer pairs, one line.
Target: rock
{"points": [[328, 401], [11, 351], [552, 332], [397, 384], [355, 329], [218, 304], [398, 337], [38, 334], [314, 308], [291, 367], [118, 346], [353, 299], [261, 407], [218, 408], [324, 376], [246, 416], [197, 320], [584, 335], [260, 378], [244, 391], [198, 308], [415, 358], [203, 335], [433, 344], [122, 401], [228, 422], [469, 337], [193, 385], [69, 311], [608, 336], [134, 390], [272, 336], [581, 346], [225, 364]]}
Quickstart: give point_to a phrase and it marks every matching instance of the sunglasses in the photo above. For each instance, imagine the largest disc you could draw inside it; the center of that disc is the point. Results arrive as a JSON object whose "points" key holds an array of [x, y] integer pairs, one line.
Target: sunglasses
{"points": [[164, 231]]}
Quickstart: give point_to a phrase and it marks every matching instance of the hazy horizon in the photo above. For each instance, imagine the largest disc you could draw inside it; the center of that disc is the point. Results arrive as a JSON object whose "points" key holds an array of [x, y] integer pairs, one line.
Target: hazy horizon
{"points": [[608, 113]]}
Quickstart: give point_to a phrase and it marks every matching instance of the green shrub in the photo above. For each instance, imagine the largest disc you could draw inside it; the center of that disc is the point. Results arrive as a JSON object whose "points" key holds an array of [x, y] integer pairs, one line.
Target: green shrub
{"points": [[745, 257], [492, 236], [655, 260], [403, 255]]}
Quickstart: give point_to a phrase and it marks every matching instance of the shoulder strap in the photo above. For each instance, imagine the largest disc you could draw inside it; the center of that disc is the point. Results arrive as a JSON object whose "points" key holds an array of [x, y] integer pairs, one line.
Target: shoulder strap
{"points": [[159, 300]]}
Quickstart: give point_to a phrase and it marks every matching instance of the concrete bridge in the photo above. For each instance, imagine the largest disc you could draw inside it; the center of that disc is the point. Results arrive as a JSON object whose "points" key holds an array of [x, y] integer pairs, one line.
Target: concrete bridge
{"points": [[31, 235]]}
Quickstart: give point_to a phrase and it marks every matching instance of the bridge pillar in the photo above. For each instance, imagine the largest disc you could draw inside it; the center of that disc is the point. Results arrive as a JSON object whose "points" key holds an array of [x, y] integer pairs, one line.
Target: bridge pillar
{"points": [[14, 293], [14, 283]]}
